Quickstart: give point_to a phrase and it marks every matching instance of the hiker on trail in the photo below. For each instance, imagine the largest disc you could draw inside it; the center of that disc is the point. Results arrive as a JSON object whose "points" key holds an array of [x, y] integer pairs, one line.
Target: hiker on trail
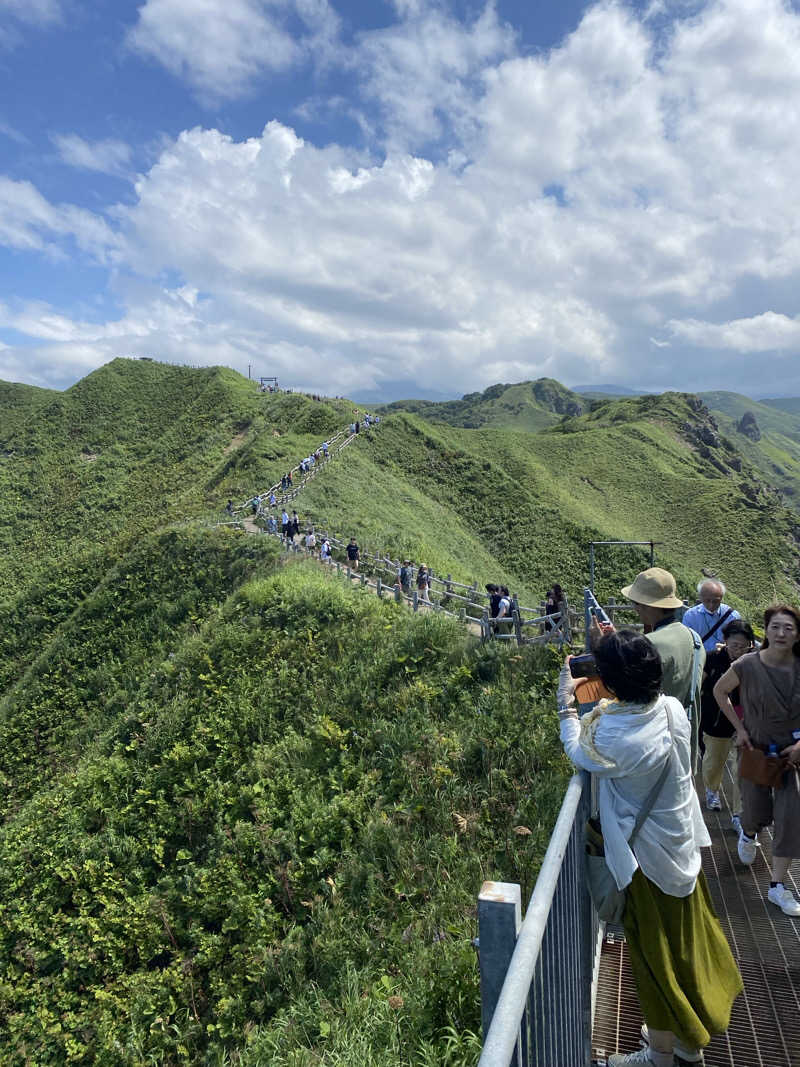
{"points": [[503, 618], [311, 542], [709, 616], [325, 449], [352, 554], [406, 576], [637, 744], [325, 550], [229, 508], [272, 524], [272, 500], [295, 526], [653, 595], [552, 603], [358, 427], [283, 481], [289, 482], [255, 504], [284, 525], [423, 583], [352, 428], [495, 596], [716, 733], [769, 686]]}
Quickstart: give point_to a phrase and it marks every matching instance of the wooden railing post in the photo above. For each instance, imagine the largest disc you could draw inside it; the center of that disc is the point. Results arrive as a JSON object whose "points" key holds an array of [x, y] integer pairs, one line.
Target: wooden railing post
{"points": [[379, 589], [516, 617], [415, 600]]}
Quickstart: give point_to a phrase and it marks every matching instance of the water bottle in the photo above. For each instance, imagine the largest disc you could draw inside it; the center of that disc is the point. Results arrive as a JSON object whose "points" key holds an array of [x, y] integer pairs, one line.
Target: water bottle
{"points": [[773, 749]]}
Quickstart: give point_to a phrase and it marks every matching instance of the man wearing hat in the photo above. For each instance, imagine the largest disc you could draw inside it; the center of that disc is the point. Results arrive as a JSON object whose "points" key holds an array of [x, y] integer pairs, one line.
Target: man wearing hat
{"points": [[653, 595]]}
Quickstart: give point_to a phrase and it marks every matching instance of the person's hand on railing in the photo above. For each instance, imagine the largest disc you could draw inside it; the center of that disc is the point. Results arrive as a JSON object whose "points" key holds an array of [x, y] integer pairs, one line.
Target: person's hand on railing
{"points": [[599, 629]]}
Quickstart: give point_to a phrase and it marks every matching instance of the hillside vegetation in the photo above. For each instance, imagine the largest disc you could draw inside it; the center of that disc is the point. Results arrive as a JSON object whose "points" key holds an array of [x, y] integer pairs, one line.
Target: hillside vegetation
{"points": [[246, 807], [253, 826]]}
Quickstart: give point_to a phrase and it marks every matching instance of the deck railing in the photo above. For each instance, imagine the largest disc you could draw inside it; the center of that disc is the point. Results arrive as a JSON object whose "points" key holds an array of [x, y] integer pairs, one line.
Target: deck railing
{"points": [[538, 978]]}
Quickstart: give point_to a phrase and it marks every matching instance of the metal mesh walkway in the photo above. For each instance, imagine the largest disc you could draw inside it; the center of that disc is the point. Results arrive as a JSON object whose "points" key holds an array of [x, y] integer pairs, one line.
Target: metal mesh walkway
{"points": [[765, 1023]]}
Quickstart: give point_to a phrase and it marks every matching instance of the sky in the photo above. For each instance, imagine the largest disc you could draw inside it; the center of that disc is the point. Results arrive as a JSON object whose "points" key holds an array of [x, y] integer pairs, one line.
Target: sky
{"points": [[403, 197]]}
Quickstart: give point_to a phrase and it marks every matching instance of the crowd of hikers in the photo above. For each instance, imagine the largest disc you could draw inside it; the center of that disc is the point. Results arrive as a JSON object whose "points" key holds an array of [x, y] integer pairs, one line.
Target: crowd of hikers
{"points": [[695, 690]]}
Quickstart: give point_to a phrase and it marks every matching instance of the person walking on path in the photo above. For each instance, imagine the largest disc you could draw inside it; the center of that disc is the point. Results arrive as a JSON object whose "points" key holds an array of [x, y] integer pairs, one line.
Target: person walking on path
{"points": [[709, 616], [769, 685], [653, 594], [423, 584], [325, 550], [285, 526], [311, 542], [717, 733], [552, 603], [685, 975], [294, 526], [352, 554], [406, 574]]}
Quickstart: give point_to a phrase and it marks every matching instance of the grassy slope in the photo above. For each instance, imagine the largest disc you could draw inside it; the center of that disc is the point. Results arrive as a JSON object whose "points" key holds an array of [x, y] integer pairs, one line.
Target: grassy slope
{"points": [[273, 845], [133, 447], [533, 502]]}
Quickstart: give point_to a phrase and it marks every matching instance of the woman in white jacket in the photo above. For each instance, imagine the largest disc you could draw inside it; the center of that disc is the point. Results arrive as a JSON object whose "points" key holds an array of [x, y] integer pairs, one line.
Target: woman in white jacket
{"points": [[685, 975]]}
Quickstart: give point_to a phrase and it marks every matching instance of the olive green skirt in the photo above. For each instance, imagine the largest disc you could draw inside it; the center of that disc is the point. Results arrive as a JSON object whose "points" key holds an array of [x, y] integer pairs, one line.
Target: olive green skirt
{"points": [[685, 974]]}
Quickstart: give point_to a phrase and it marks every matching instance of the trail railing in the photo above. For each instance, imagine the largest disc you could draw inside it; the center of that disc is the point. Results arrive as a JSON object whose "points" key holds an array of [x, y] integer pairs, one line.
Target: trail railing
{"points": [[538, 977]]}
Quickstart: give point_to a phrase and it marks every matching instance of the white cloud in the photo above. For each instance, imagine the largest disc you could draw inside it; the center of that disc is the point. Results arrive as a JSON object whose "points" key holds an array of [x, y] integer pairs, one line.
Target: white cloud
{"points": [[602, 211], [762, 333], [106, 157], [424, 73], [222, 47], [31, 223]]}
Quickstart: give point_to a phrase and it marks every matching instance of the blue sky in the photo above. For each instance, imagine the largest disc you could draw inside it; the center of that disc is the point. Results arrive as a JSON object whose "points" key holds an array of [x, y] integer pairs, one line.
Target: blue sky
{"points": [[403, 196]]}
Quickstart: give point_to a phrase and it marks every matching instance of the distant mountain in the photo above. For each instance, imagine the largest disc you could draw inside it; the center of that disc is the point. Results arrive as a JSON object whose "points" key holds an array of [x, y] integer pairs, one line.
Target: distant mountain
{"points": [[522, 406], [785, 403], [613, 390]]}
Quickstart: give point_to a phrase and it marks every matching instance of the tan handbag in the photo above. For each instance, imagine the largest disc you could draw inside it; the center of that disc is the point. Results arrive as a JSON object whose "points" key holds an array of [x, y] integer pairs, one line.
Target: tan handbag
{"points": [[757, 767]]}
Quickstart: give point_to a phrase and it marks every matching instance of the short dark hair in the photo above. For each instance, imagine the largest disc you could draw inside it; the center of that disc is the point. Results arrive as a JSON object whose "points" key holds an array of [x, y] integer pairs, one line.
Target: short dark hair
{"points": [[629, 665], [738, 626]]}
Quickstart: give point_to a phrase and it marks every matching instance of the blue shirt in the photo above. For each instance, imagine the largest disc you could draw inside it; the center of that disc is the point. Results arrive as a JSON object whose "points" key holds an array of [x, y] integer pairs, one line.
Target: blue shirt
{"points": [[701, 620]]}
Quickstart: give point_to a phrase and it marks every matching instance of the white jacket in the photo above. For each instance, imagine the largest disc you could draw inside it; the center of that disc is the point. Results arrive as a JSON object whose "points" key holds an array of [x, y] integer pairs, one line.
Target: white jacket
{"points": [[624, 746]]}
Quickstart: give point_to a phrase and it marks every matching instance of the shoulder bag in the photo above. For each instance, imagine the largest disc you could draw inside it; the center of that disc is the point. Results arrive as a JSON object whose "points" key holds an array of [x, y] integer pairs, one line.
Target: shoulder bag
{"points": [[608, 899]]}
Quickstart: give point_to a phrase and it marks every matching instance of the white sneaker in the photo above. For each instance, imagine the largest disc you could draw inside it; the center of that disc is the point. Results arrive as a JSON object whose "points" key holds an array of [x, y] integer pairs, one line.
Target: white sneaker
{"points": [[683, 1052], [713, 803], [785, 899], [736, 822], [747, 848], [640, 1058]]}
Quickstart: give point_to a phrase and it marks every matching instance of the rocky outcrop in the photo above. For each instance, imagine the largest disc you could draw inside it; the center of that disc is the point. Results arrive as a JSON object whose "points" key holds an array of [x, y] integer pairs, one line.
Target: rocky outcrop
{"points": [[748, 426]]}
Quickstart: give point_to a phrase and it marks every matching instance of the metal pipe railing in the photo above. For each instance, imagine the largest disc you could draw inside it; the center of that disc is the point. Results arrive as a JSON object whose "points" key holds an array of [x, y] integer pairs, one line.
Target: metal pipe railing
{"points": [[543, 1014]]}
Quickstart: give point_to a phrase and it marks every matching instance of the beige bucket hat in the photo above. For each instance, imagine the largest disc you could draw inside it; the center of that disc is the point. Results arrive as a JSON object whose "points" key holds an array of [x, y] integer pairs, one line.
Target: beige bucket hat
{"points": [[655, 587]]}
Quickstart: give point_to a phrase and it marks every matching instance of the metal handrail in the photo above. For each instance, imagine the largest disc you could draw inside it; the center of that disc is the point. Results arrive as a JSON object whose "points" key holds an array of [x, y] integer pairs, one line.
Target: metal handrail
{"points": [[503, 1035]]}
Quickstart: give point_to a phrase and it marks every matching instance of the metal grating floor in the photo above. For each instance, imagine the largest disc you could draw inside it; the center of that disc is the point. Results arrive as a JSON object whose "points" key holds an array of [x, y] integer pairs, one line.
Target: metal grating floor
{"points": [[765, 1022]]}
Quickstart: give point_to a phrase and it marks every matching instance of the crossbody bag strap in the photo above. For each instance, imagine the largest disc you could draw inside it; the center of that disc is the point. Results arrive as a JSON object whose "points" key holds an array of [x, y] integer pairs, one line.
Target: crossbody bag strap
{"points": [[651, 799], [717, 625]]}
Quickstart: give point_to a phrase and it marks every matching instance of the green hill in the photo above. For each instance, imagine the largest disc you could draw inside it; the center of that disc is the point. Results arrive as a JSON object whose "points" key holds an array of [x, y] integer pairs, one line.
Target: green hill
{"points": [[246, 807], [524, 406]]}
